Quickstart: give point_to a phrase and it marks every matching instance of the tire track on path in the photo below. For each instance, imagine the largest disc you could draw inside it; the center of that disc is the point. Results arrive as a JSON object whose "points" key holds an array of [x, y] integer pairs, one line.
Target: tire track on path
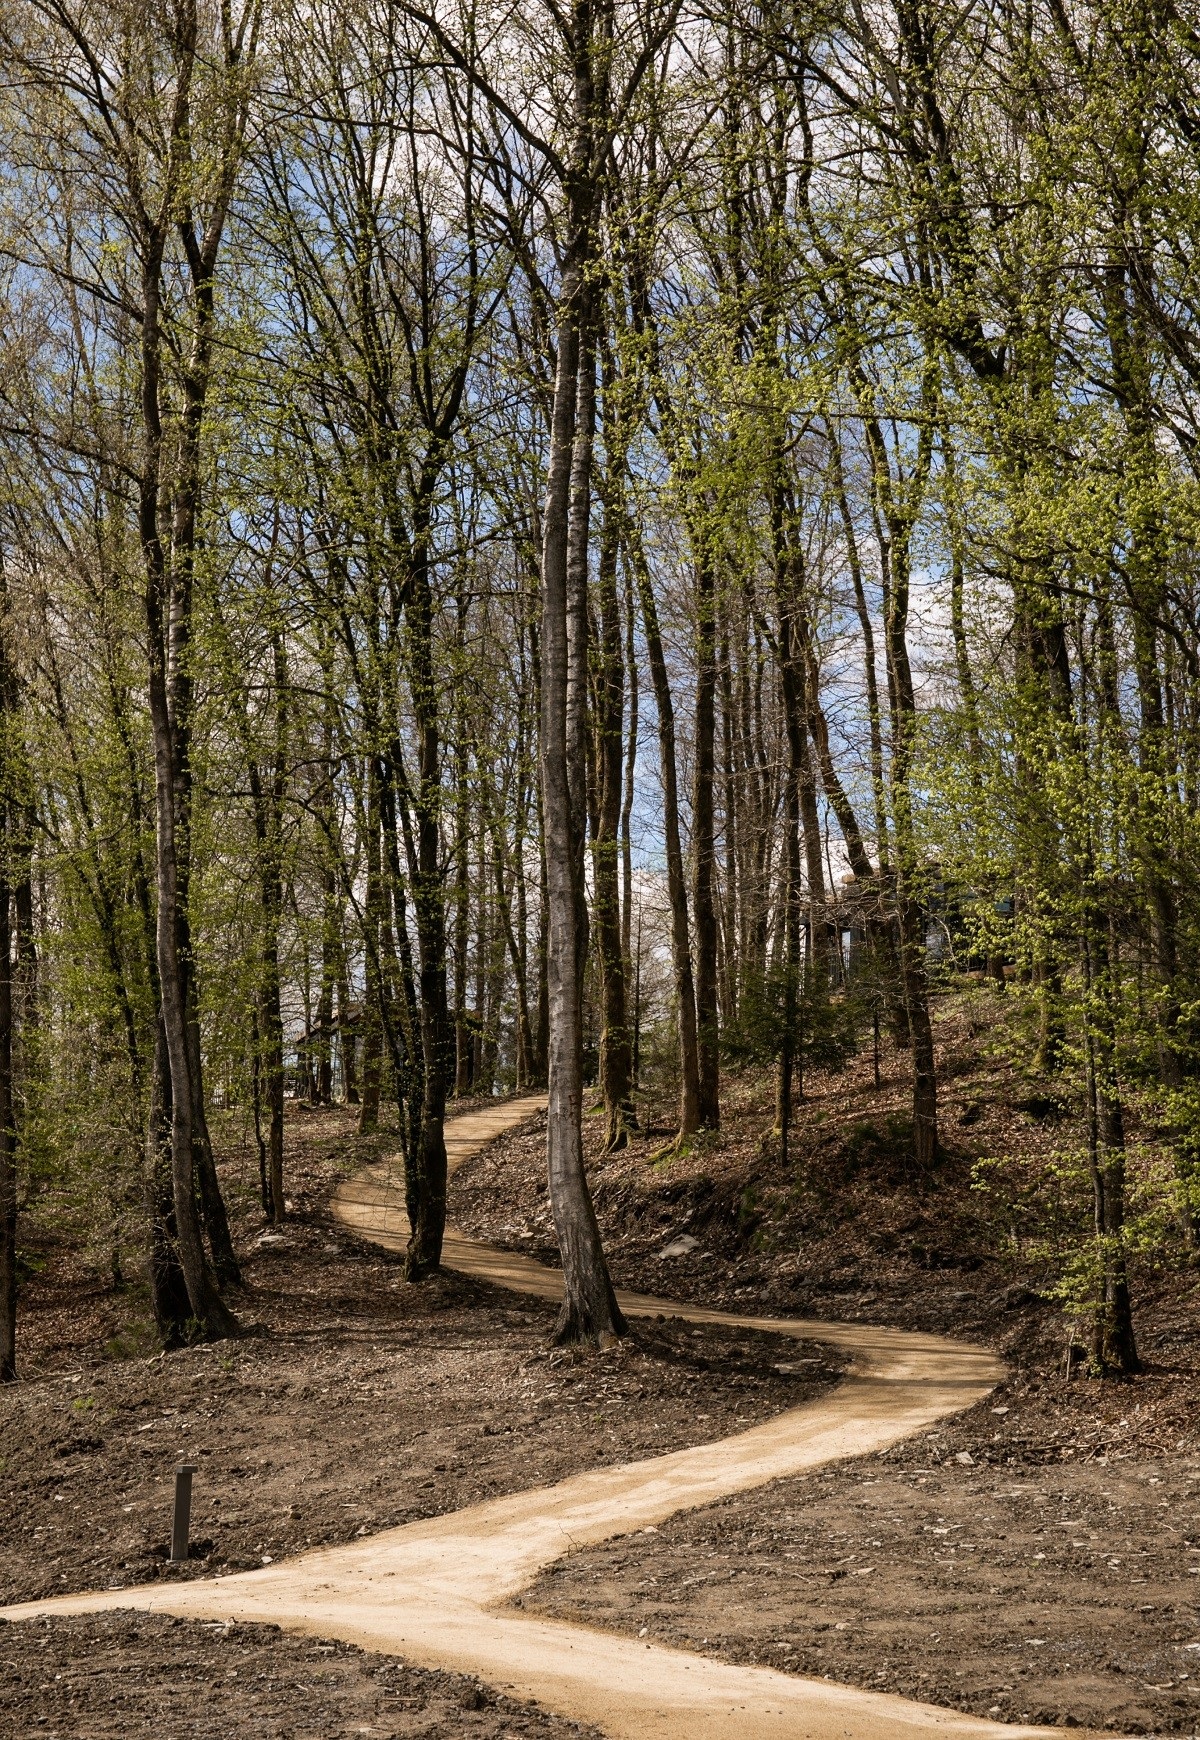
{"points": [[437, 1591]]}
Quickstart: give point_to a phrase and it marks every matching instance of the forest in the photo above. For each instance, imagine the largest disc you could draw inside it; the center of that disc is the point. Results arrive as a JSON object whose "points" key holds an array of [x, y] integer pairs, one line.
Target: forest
{"points": [[643, 552]]}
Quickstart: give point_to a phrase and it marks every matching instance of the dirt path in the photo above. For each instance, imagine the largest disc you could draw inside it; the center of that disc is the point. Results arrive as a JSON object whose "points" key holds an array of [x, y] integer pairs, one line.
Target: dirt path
{"points": [[439, 1592]]}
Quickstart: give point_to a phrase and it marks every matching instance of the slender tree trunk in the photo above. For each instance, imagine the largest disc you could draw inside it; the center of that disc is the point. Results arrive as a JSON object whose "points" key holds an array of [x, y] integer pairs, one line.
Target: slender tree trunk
{"points": [[615, 1057], [703, 905], [349, 1026], [541, 1033], [212, 1203], [425, 1245], [589, 1310], [168, 1289], [730, 806], [483, 949], [496, 977], [525, 1046], [330, 923], [403, 1026], [631, 749], [271, 1022], [899, 521], [1114, 1345], [462, 919], [835, 791], [681, 956], [324, 1081], [789, 601], [527, 1056], [8, 1133], [372, 1060], [874, 716]]}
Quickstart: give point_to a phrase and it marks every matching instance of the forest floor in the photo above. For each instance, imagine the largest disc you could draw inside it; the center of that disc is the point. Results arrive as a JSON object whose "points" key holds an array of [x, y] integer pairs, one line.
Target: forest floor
{"points": [[355, 1402], [1035, 1558]]}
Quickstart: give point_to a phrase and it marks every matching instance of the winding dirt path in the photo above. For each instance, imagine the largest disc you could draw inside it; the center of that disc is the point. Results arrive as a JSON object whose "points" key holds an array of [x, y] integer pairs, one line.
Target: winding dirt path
{"points": [[436, 1591]]}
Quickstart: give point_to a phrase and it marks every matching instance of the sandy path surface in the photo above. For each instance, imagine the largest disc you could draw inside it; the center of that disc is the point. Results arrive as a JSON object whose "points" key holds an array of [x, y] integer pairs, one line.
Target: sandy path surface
{"points": [[436, 1591]]}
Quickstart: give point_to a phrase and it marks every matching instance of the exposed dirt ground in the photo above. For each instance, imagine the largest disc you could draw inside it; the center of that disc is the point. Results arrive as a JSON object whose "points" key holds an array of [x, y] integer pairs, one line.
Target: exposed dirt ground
{"points": [[107, 1676], [1033, 1558], [355, 1402], [1053, 1595]]}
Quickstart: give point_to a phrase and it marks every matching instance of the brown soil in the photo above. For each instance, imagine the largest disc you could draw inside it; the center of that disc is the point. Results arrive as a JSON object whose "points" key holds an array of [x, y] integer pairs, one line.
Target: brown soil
{"points": [[1050, 1595], [845, 1573], [108, 1676], [354, 1403], [850, 1233]]}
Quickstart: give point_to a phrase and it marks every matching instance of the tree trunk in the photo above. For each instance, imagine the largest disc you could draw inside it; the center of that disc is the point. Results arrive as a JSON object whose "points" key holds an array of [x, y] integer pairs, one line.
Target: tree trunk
{"points": [[168, 1289], [589, 1311], [513, 938], [789, 604], [425, 1245], [703, 905], [214, 1216], [210, 1315], [323, 1095], [731, 805], [8, 1133], [347, 1032], [792, 965], [402, 1027], [1114, 1345], [372, 1061], [631, 749], [272, 1042], [462, 919], [681, 956], [615, 1057], [895, 554]]}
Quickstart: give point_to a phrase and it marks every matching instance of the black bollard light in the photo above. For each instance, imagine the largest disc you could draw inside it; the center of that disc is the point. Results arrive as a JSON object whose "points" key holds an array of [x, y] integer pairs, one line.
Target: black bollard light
{"points": [[183, 1510]]}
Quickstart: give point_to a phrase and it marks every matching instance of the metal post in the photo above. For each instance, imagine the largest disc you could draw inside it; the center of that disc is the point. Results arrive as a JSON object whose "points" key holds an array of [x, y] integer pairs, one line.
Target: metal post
{"points": [[183, 1510]]}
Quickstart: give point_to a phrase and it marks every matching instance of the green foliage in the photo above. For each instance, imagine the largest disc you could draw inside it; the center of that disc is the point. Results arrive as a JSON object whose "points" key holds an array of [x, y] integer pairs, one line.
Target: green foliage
{"points": [[1042, 1204], [778, 1003]]}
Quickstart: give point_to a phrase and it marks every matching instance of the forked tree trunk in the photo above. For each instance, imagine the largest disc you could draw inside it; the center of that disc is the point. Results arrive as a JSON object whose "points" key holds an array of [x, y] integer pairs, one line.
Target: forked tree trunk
{"points": [[211, 1317]]}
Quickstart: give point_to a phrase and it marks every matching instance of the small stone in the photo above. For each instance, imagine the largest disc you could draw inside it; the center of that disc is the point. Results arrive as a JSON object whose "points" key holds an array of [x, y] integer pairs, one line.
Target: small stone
{"points": [[683, 1246]]}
